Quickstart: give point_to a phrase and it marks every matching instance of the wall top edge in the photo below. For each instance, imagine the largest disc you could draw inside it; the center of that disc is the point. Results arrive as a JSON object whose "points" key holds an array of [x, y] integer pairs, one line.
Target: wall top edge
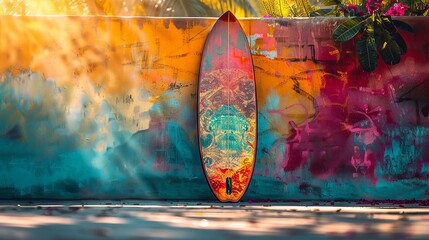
{"points": [[193, 18]]}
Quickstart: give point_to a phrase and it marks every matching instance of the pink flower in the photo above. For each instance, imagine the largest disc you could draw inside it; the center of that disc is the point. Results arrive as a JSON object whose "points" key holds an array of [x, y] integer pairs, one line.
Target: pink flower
{"points": [[397, 9], [374, 5]]}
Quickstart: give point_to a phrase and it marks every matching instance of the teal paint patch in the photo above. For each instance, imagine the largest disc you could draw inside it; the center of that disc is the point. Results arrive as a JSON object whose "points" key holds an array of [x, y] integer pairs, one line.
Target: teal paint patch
{"points": [[273, 102], [240, 41], [228, 127], [206, 141], [404, 151], [208, 63]]}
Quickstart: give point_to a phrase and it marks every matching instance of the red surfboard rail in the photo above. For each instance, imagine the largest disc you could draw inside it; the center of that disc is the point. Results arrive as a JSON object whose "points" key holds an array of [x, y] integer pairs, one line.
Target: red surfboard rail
{"points": [[227, 110]]}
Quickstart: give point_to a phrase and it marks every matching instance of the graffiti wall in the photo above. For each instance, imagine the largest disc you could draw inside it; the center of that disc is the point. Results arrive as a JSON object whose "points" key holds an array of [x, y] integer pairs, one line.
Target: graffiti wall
{"points": [[105, 107]]}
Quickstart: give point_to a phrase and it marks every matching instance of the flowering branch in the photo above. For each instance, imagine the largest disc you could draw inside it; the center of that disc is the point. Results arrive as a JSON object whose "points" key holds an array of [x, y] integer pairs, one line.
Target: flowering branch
{"points": [[376, 32]]}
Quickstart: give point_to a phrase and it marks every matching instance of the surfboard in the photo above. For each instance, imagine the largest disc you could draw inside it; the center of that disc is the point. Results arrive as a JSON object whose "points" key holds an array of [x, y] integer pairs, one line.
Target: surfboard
{"points": [[227, 110]]}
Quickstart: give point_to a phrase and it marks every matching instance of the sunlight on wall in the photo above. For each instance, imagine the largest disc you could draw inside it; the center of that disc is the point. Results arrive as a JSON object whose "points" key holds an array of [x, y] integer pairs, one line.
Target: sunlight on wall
{"points": [[164, 8]]}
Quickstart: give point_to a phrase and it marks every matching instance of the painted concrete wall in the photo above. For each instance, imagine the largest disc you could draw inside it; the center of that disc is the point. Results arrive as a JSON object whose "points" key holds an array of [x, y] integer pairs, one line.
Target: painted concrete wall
{"points": [[100, 107]]}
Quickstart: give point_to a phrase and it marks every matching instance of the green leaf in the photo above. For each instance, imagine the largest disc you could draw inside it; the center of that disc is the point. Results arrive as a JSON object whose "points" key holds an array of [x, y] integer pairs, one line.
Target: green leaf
{"points": [[348, 29], [418, 7], [331, 2], [388, 24], [369, 29], [378, 32], [390, 51], [367, 53], [321, 12], [404, 26], [400, 41]]}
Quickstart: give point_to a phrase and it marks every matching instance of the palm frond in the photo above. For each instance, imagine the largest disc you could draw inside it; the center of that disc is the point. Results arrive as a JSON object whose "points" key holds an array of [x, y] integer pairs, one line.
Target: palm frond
{"points": [[288, 8], [304, 8], [166, 8], [240, 8], [182, 8]]}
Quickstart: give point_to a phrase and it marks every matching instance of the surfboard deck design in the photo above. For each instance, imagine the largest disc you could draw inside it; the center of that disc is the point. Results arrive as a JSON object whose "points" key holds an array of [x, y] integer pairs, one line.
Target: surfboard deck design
{"points": [[227, 111]]}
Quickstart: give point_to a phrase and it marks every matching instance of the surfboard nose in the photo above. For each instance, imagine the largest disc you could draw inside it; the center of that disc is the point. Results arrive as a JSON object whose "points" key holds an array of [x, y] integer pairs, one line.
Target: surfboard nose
{"points": [[228, 17]]}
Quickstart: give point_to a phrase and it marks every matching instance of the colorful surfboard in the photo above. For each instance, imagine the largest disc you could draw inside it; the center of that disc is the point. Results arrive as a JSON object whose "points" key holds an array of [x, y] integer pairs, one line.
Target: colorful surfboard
{"points": [[227, 111]]}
